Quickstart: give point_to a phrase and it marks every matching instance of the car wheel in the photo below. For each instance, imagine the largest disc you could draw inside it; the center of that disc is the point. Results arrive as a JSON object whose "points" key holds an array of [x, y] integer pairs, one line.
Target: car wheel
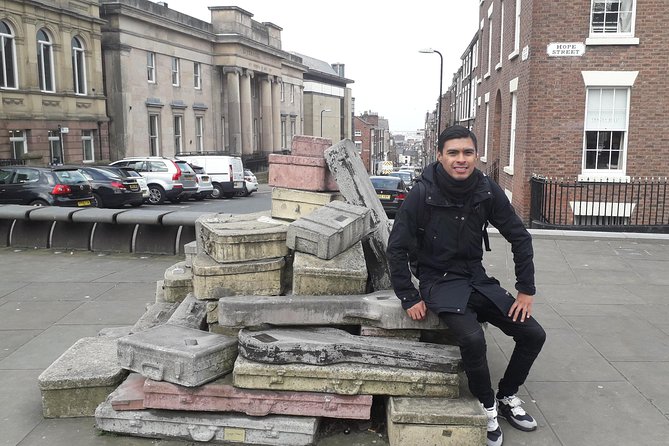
{"points": [[217, 192], [156, 194], [39, 203], [97, 201], [246, 192]]}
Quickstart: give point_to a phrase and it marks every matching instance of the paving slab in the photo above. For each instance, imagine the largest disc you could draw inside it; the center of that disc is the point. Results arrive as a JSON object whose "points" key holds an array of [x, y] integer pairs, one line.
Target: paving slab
{"points": [[650, 378]]}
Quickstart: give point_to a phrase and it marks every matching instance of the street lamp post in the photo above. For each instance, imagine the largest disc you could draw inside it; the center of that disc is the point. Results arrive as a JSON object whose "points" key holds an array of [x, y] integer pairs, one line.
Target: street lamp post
{"points": [[441, 77], [324, 110]]}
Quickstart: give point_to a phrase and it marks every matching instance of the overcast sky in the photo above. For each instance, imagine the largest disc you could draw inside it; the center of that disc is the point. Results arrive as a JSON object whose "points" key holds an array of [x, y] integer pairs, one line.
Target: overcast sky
{"points": [[378, 41]]}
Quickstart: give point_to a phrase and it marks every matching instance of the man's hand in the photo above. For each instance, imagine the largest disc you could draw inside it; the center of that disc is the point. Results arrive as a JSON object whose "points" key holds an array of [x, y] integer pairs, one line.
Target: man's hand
{"points": [[418, 311], [521, 307]]}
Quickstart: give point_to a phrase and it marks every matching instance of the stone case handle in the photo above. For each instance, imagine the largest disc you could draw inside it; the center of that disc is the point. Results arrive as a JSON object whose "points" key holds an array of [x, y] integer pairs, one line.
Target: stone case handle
{"points": [[346, 387], [202, 433]]}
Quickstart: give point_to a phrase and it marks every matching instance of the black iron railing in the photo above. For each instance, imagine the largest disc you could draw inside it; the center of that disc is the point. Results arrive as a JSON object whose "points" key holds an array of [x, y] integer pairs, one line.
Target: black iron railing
{"points": [[639, 205]]}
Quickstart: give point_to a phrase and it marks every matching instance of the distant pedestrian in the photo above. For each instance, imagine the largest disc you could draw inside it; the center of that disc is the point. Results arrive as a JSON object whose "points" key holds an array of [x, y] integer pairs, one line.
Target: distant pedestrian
{"points": [[442, 224]]}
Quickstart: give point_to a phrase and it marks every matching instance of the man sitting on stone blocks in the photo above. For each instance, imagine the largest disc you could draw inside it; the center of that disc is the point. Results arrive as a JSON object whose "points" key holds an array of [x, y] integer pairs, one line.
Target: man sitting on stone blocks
{"points": [[441, 226]]}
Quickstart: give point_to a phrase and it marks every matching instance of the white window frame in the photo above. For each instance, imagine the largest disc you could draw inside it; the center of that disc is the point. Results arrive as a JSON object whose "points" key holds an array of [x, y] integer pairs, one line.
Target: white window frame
{"points": [[598, 80], [154, 134], [55, 147], [484, 158], [45, 70], [283, 95], [197, 76], [178, 123], [18, 137], [88, 139], [4, 37], [199, 133], [512, 137], [284, 134], [487, 74], [501, 36], [79, 67], [516, 32], [151, 67], [618, 37], [292, 93], [176, 76]]}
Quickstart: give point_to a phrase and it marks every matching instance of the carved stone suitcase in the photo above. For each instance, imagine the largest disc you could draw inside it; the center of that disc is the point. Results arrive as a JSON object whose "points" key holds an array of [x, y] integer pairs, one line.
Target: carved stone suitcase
{"points": [[344, 274], [180, 355], [344, 379], [208, 427], [130, 394], [329, 230], [291, 204], [300, 172], [435, 421], [221, 396], [325, 345], [381, 309]]}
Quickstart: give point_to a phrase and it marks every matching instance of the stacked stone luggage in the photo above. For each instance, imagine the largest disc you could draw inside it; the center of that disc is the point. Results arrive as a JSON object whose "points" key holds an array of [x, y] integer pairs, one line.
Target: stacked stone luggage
{"points": [[240, 347]]}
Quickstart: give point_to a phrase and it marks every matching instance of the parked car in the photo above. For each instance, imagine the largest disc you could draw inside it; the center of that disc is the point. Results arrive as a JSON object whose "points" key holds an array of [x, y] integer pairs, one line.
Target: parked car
{"points": [[110, 190], [167, 179], [128, 172], [204, 186], [44, 186], [226, 172], [391, 191], [406, 176], [250, 183]]}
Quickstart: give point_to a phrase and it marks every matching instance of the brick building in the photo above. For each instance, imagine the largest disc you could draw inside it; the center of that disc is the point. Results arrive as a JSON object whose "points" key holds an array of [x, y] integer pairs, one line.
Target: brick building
{"points": [[371, 136], [572, 89]]}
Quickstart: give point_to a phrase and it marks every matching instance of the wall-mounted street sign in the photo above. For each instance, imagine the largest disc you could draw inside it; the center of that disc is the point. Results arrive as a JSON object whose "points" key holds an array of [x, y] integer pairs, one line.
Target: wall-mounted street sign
{"points": [[565, 49], [64, 130]]}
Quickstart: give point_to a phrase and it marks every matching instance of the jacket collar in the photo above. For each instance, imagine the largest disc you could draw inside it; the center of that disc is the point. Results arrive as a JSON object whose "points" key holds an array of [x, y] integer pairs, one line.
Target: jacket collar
{"points": [[434, 196]]}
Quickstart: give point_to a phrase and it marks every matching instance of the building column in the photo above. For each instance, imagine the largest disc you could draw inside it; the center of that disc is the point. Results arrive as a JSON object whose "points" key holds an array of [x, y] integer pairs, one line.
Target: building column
{"points": [[234, 111], [267, 121], [247, 113], [276, 114]]}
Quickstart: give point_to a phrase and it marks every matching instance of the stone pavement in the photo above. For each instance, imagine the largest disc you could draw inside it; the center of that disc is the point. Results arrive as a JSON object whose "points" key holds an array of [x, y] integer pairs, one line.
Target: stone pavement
{"points": [[600, 380]]}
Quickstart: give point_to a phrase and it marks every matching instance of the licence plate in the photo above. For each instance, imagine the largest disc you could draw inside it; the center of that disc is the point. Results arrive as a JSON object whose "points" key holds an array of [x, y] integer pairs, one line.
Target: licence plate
{"points": [[134, 187], [383, 196], [84, 203], [239, 184]]}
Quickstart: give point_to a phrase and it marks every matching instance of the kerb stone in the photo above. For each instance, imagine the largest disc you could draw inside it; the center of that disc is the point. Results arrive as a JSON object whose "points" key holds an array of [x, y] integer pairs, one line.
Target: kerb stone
{"points": [[291, 204], [330, 230], [344, 274], [81, 378], [431, 421]]}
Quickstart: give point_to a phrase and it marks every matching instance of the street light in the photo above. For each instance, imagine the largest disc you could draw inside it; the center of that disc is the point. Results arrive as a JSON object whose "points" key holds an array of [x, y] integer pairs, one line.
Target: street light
{"points": [[326, 110], [441, 76]]}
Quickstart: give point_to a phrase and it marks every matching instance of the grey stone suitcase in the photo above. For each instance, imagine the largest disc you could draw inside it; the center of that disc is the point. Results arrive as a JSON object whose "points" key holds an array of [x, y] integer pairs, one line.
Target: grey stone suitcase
{"points": [[436, 421], [179, 355], [221, 396], [329, 230], [325, 345], [208, 427], [344, 274], [381, 309], [345, 379]]}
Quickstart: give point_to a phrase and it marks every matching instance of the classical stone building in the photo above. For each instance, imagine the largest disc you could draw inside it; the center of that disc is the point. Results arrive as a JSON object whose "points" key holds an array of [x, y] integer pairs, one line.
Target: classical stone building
{"points": [[573, 90], [53, 106], [178, 84]]}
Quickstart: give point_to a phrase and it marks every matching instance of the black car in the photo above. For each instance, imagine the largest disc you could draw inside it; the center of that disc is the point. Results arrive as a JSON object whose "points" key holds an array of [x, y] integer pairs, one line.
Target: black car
{"points": [[111, 190], [44, 186], [391, 191], [406, 176]]}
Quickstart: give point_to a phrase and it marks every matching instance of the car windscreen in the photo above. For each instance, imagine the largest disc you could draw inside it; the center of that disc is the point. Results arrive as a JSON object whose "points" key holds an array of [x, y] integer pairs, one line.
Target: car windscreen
{"points": [[385, 183], [184, 166], [69, 176], [107, 174]]}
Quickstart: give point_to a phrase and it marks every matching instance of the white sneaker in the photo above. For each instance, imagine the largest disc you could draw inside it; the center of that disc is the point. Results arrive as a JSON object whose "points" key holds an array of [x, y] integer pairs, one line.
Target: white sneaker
{"points": [[495, 436], [509, 408]]}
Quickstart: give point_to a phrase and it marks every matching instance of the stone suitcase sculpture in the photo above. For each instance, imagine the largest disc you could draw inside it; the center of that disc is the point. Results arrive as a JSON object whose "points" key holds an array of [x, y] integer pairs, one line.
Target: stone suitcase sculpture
{"points": [[344, 274], [221, 396], [344, 379], [321, 346], [180, 355], [208, 427]]}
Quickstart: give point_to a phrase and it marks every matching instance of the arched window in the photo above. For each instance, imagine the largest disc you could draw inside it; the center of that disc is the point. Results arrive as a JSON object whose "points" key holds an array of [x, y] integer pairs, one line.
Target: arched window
{"points": [[8, 76], [45, 61], [78, 66]]}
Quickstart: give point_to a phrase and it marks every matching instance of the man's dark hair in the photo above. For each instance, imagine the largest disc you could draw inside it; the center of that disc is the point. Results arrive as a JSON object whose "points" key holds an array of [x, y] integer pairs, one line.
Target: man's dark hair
{"points": [[455, 132]]}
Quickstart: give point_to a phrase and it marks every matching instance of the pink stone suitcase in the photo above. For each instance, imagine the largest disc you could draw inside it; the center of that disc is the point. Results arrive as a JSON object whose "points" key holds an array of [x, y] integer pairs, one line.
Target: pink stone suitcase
{"points": [[221, 396], [130, 394], [303, 145], [300, 172]]}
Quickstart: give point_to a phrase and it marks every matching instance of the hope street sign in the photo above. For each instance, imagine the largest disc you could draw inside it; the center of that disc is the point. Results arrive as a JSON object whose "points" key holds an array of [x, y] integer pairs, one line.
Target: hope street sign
{"points": [[565, 49]]}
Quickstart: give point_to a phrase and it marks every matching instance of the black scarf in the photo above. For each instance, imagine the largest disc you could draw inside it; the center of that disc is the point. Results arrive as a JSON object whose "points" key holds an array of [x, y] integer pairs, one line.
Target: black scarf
{"points": [[457, 191]]}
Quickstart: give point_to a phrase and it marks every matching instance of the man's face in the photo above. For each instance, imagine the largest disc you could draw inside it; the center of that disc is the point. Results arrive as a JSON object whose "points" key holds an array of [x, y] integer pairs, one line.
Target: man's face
{"points": [[458, 158]]}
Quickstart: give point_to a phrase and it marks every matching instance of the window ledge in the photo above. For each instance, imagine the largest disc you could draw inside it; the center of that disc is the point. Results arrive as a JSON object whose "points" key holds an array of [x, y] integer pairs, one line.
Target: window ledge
{"points": [[612, 41], [487, 75], [604, 177], [484, 159], [478, 81], [513, 55], [498, 66], [508, 169]]}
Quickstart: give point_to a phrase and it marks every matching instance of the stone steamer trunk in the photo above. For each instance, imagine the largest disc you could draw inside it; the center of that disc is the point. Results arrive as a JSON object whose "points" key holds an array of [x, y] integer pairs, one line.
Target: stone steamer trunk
{"points": [[291, 204], [344, 274]]}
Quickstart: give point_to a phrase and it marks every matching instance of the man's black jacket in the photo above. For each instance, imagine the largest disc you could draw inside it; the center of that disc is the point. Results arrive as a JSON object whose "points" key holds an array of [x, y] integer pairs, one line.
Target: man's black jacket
{"points": [[450, 252]]}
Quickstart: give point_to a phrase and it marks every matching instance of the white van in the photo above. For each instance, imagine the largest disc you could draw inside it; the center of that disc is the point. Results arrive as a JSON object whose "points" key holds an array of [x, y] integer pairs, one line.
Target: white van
{"points": [[226, 172]]}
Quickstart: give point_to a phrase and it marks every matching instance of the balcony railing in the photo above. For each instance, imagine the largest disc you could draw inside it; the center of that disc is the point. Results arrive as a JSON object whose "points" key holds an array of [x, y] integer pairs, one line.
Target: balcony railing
{"points": [[638, 205]]}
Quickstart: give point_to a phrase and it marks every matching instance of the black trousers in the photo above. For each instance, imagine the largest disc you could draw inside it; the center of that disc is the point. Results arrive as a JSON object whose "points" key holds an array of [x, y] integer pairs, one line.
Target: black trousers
{"points": [[467, 330]]}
